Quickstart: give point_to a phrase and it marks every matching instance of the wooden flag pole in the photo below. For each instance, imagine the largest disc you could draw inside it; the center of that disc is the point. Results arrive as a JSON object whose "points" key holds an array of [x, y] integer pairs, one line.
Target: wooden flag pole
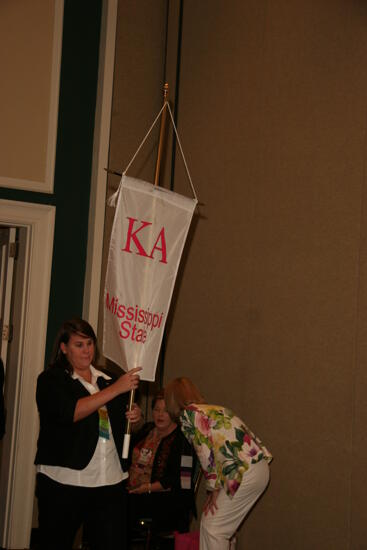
{"points": [[161, 135], [125, 450]]}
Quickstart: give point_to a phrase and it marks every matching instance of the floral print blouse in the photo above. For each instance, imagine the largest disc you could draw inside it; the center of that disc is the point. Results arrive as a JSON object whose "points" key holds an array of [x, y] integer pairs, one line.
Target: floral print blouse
{"points": [[224, 445]]}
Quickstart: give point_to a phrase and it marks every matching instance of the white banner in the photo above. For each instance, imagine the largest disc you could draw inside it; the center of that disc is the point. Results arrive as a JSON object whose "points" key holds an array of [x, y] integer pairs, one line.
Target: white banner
{"points": [[148, 236]]}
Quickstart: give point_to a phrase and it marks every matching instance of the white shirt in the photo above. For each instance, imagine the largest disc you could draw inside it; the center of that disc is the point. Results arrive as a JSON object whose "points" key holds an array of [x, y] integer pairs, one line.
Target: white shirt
{"points": [[104, 467]]}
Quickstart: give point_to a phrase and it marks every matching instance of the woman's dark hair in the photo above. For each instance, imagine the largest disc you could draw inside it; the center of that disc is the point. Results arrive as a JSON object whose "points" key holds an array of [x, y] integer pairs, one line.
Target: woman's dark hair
{"points": [[159, 395], [73, 326]]}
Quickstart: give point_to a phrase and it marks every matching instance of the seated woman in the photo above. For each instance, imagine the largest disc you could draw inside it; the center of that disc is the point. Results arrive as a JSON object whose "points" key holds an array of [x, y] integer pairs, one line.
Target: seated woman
{"points": [[160, 480]]}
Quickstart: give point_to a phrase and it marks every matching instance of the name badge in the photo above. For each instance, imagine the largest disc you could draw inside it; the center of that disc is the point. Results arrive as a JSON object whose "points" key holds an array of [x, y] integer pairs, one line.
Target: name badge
{"points": [[145, 456], [186, 469]]}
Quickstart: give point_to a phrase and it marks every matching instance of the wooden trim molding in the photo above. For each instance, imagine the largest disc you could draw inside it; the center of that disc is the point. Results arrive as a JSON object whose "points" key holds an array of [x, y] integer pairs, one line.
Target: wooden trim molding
{"points": [[17, 489], [22, 176]]}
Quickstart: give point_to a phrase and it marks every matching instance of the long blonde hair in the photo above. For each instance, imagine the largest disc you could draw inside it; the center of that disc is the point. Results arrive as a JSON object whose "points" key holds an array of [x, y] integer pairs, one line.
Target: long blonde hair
{"points": [[178, 394]]}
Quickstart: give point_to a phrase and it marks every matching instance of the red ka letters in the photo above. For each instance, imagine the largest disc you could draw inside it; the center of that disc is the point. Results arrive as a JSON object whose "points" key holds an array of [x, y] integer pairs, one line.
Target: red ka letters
{"points": [[132, 236]]}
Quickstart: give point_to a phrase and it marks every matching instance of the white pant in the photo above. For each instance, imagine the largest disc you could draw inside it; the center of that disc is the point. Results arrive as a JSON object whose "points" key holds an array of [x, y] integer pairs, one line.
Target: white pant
{"points": [[217, 530]]}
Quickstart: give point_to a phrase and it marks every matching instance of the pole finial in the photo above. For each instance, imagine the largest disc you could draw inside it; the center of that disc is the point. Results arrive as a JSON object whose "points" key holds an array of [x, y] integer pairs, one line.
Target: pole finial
{"points": [[165, 91]]}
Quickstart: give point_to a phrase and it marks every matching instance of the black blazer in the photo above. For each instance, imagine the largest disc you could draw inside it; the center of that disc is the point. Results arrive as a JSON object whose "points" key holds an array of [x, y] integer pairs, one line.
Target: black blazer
{"points": [[167, 469], [61, 441], [167, 459]]}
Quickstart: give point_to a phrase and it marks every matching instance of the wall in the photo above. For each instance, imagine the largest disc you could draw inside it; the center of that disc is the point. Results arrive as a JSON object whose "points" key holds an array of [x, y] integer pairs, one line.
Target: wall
{"points": [[271, 304], [69, 186], [269, 310]]}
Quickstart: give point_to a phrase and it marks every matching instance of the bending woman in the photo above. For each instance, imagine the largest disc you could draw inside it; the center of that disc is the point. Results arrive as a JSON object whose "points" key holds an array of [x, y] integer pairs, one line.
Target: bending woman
{"points": [[234, 462], [80, 479]]}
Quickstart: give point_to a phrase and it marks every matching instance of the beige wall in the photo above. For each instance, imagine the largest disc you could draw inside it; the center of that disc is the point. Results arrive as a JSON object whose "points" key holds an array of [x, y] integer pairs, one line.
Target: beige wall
{"points": [[269, 314], [30, 50]]}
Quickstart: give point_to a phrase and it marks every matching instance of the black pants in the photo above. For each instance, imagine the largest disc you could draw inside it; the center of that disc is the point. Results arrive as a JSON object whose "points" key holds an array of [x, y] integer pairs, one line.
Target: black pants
{"points": [[168, 511], [62, 509]]}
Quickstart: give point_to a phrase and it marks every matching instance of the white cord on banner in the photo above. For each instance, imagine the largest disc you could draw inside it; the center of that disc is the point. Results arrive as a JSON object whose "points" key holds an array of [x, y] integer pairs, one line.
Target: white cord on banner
{"points": [[113, 198], [144, 140], [165, 104], [182, 153]]}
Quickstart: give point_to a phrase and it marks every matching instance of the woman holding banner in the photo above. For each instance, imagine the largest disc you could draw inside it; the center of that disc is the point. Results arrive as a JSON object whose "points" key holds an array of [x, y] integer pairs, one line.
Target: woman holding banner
{"points": [[80, 478], [234, 461]]}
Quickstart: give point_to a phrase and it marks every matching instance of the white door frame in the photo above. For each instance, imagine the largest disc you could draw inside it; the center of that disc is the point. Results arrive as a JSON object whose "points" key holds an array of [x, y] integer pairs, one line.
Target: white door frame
{"points": [[6, 285], [39, 220]]}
